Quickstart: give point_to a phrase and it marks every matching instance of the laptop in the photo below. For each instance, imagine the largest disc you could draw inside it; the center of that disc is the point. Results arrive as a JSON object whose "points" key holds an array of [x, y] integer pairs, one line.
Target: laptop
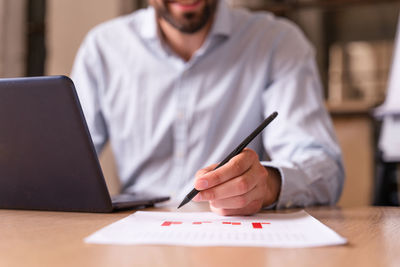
{"points": [[47, 158]]}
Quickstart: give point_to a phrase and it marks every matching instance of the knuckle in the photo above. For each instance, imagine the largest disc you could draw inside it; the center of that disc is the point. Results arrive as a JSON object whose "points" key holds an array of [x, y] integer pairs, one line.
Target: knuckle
{"points": [[237, 166], [255, 206], [241, 201], [224, 212], [217, 178], [254, 156], [219, 204], [220, 211], [251, 154], [209, 195], [200, 173], [243, 185]]}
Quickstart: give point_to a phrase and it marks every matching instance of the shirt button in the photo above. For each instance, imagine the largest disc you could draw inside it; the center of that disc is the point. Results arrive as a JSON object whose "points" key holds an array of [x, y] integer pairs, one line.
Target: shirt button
{"points": [[289, 204], [181, 115]]}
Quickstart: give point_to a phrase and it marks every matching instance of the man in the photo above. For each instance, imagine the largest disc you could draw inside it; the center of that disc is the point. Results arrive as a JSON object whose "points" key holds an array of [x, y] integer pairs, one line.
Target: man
{"points": [[177, 86]]}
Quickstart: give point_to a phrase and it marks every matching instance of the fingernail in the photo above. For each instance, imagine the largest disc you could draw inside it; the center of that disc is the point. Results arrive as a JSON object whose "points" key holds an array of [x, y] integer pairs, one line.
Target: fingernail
{"points": [[202, 184]]}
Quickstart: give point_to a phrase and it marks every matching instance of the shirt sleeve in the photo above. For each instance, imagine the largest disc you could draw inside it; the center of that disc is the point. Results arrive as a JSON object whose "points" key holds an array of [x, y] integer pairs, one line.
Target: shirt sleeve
{"points": [[301, 141], [87, 77]]}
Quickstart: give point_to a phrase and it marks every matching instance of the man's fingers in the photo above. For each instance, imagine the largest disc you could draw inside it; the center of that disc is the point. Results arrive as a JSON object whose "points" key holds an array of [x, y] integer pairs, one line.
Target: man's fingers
{"points": [[234, 168], [237, 202], [201, 173], [250, 209], [234, 187]]}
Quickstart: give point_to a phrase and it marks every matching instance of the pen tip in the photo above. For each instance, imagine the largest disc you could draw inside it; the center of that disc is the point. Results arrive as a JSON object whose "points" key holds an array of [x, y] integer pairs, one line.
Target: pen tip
{"points": [[183, 202]]}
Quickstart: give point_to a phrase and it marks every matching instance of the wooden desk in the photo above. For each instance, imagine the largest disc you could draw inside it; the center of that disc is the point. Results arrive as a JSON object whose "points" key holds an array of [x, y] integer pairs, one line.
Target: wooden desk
{"points": [[33, 238]]}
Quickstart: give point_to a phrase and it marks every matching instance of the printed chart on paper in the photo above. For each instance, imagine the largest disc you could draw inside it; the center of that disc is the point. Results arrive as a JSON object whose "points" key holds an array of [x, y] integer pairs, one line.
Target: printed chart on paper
{"points": [[297, 229]]}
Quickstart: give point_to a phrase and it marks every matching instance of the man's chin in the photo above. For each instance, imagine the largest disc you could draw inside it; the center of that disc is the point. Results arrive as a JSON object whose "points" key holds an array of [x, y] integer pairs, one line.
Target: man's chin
{"points": [[190, 29], [190, 24], [185, 21]]}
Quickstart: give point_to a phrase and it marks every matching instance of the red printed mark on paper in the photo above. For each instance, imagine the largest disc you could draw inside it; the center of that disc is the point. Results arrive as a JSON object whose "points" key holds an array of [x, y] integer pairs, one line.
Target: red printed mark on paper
{"points": [[168, 223], [232, 223], [258, 225], [200, 222]]}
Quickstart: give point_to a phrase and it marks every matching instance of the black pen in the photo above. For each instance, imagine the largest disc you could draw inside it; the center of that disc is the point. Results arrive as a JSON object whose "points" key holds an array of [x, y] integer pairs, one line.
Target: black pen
{"points": [[235, 152]]}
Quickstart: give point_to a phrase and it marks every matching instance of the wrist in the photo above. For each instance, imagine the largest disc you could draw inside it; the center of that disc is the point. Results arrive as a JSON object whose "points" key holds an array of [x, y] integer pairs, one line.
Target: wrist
{"points": [[273, 186]]}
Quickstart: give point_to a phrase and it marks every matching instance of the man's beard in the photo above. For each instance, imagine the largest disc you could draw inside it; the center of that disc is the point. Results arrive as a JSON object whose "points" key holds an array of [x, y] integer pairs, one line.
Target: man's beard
{"points": [[190, 22]]}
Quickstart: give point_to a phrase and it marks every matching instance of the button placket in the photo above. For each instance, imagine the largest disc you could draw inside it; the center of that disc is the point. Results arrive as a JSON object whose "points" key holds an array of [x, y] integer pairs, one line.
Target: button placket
{"points": [[180, 132]]}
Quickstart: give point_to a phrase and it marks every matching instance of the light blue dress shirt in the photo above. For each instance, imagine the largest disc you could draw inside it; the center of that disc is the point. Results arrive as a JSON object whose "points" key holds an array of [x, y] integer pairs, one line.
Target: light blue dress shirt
{"points": [[167, 118]]}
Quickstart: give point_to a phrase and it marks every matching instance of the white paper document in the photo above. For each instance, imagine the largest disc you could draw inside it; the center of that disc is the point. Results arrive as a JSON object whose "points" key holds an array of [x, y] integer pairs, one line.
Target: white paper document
{"points": [[284, 230]]}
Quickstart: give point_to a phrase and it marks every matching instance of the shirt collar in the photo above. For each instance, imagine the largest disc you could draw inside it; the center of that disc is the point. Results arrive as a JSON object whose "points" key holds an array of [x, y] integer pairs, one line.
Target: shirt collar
{"points": [[149, 28], [221, 26], [222, 21]]}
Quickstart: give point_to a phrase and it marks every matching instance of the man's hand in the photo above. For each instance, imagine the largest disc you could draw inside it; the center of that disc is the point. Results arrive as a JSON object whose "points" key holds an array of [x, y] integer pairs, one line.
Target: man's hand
{"points": [[240, 187]]}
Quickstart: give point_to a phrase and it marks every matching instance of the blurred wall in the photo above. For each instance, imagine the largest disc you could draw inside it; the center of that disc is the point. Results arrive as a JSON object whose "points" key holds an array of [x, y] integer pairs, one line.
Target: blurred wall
{"points": [[12, 38], [67, 22]]}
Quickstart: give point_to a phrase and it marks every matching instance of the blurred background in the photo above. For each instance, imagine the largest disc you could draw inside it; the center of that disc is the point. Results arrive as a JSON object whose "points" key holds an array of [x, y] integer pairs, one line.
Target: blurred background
{"points": [[354, 40]]}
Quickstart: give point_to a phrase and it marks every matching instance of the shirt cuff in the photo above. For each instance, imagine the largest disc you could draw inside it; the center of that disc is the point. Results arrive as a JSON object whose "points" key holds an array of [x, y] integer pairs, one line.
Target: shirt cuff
{"points": [[271, 206], [292, 180]]}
